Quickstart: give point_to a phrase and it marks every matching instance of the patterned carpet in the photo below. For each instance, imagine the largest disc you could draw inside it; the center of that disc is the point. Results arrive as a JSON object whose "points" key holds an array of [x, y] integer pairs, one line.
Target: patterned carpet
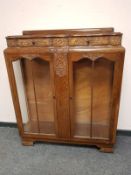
{"points": [[53, 159]]}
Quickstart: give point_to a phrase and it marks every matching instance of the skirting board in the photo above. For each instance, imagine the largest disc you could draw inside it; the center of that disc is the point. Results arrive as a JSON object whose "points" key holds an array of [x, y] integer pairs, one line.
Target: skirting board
{"points": [[14, 125]]}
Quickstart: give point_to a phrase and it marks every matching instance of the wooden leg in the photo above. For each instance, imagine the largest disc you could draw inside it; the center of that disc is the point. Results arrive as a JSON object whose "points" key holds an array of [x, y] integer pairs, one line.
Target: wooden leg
{"points": [[27, 143], [106, 149]]}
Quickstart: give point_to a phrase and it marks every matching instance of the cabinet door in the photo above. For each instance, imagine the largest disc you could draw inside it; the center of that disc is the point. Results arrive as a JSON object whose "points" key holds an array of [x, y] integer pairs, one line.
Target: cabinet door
{"points": [[94, 93], [35, 88]]}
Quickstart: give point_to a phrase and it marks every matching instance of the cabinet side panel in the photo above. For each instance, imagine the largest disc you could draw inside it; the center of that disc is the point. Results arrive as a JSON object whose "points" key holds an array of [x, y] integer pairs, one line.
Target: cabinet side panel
{"points": [[102, 98]]}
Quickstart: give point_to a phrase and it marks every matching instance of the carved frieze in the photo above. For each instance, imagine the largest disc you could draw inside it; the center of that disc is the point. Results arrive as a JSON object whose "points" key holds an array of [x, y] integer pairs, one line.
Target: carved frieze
{"points": [[95, 40], [58, 42], [41, 42], [115, 40], [78, 41], [28, 42], [99, 40], [62, 42]]}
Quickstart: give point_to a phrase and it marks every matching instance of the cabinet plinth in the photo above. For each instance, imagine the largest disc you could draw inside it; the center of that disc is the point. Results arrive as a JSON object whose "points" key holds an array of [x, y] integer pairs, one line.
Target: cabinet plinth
{"points": [[66, 85]]}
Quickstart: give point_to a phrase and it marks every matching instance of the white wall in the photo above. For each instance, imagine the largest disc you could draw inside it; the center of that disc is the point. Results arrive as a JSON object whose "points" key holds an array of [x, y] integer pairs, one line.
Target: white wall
{"points": [[18, 15]]}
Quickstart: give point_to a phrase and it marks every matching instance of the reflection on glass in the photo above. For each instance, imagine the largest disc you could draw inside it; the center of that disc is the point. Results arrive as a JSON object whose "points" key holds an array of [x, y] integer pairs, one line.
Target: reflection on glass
{"points": [[102, 92], [82, 97], [92, 94]]}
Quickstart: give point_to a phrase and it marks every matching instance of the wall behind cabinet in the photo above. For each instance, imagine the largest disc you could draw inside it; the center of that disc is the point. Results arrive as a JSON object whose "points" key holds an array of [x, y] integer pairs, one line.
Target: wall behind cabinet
{"points": [[18, 15]]}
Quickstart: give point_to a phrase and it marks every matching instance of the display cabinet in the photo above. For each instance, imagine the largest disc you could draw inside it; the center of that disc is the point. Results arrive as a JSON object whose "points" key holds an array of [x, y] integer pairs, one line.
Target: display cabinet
{"points": [[66, 85]]}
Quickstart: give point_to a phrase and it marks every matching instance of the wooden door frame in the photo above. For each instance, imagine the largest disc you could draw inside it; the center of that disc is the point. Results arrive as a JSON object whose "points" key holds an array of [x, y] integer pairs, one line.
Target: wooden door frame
{"points": [[115, 55], [15, 54]]}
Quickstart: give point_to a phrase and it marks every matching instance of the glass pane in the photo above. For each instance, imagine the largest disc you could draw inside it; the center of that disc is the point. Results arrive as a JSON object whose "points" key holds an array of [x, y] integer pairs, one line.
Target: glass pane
{"points": [[21, 92], [102, 92], [44, 96], [37, 93], [82, 98]]}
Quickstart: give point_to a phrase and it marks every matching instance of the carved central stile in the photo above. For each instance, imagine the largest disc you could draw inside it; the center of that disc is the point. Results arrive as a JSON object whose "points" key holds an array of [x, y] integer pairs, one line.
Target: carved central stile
{"points": [[60, 62]]}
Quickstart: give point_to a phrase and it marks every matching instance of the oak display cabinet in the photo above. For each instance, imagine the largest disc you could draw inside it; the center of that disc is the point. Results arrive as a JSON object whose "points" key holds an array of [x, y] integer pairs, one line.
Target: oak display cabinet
{"points": [[66, 85]]}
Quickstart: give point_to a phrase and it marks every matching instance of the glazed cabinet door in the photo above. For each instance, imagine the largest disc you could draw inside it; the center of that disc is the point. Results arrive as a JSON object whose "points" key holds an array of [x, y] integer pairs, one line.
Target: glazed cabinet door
{"points": [[34, 82], [94, 93]]}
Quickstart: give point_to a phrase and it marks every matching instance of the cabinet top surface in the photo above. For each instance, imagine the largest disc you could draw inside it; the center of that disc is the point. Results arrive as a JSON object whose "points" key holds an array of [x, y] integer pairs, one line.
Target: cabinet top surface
{"points": [[67, 33]]}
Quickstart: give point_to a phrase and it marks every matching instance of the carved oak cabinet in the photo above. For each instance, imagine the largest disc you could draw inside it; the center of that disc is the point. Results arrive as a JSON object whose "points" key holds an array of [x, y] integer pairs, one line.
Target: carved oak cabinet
{"points": [[66, 85]]}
